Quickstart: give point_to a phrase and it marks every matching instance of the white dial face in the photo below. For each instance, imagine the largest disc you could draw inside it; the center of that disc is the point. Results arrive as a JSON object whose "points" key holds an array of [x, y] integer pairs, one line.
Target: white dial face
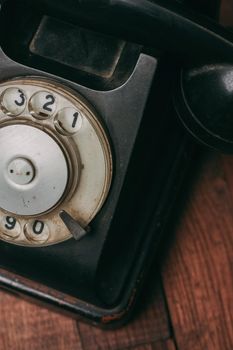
{"points": [[32, 166], [55, 158]]}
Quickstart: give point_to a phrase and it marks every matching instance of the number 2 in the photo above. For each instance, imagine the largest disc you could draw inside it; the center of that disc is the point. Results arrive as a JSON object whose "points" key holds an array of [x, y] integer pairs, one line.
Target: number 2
{"points": [[49, 103]]}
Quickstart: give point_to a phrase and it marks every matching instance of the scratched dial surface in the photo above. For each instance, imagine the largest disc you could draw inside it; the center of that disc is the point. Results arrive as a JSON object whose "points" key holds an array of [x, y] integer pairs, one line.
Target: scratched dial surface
{"points": [[55, 158]]}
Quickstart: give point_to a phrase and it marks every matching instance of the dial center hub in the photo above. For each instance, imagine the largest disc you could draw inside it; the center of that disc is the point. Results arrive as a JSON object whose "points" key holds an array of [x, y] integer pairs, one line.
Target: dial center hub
{"points": [[33, 170], [21, 171]]}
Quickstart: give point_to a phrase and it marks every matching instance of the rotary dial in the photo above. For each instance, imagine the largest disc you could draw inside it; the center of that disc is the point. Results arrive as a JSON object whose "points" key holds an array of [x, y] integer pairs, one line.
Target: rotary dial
{"points": [[56, 164]]}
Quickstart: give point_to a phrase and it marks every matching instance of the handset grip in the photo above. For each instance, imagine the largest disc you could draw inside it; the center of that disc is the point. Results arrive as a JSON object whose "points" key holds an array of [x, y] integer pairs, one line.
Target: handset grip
{"points": [[165, 25]]}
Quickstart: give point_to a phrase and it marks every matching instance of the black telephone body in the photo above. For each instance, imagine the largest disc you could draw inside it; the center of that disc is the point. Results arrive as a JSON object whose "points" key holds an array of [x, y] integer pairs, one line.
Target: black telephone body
{"points": [[93, 155]]}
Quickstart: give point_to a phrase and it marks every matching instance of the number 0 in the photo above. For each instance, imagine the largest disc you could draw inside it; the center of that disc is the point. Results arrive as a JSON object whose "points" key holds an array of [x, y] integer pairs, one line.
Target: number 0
{"points": [[38, 227]]}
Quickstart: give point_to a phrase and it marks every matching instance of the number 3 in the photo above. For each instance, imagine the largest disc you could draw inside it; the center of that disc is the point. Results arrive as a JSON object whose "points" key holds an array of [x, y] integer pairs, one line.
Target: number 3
{"points": [[21, 95]]}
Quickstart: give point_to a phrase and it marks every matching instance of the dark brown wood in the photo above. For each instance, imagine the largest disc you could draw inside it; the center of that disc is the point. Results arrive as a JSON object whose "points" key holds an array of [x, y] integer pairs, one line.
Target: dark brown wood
{"points": [[25, 327], [164, 345], [149, 324], [227, 13], [197, 274]]}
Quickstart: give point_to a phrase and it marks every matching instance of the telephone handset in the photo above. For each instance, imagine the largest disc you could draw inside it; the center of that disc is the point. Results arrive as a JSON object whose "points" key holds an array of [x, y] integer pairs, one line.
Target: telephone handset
{"points": [[92, 152]]}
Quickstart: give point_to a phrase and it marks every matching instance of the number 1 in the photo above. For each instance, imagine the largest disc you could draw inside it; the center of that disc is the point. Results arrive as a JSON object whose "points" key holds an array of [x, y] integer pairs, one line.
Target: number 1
{"points": [[75, 115]]}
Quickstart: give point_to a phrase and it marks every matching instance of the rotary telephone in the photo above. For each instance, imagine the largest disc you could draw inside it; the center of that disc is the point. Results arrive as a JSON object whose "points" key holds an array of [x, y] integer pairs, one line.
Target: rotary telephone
{"points": [[92, 153]]}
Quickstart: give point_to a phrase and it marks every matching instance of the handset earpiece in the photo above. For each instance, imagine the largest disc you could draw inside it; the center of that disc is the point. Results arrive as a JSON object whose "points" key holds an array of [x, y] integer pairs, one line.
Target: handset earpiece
{"points": [[203, 99]]}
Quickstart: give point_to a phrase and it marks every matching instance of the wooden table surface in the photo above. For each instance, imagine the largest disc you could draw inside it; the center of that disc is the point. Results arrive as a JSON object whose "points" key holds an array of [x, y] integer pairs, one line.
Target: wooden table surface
{"points": [[187, 303]]}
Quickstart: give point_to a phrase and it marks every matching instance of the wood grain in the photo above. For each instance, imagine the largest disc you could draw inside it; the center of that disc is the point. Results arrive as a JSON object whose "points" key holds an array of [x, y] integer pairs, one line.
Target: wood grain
{"points": [[164, 345], [197, 274], [28, 327], [149, 324], [226, 16]]}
